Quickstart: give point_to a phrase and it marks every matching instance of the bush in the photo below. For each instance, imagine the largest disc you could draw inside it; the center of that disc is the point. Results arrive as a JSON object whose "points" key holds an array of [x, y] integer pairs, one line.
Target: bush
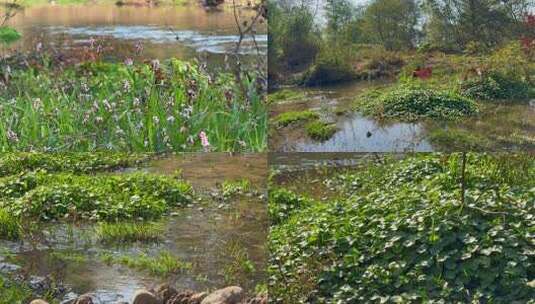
{"points": [[332, 65], [408, 238], [494, 85], [410, 103]]}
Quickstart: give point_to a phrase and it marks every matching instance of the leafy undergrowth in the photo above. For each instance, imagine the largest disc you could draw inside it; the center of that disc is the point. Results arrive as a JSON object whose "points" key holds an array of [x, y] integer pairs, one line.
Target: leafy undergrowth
{"points": [[495, 86], [129, 107], [410, 103], [49, 196], [403, 235], [13, 163], [11, 292], [77, 186]]}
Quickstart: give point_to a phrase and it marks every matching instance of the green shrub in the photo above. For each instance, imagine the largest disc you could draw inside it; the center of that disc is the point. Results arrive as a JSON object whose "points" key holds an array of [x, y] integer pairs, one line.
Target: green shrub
{"points": [[330, 67], [320, 130], [493, 86], [409, 238], [411, 103]]}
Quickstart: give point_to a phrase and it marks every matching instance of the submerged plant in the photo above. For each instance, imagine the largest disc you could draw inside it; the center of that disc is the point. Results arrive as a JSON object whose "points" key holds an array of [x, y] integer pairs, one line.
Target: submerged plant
{"points": [[126, 232]]}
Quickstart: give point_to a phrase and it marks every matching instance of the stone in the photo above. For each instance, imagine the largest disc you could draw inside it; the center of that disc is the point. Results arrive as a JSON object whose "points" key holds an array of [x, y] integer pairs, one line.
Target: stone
{"points": [[165, 292], [228, 295], [38, 301], [198, 297], [84, 299], [145, 297]]}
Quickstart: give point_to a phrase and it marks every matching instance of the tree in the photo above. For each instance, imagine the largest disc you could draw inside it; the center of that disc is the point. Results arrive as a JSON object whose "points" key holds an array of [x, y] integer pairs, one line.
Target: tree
{"points": [[453, 24], [392, 23]]}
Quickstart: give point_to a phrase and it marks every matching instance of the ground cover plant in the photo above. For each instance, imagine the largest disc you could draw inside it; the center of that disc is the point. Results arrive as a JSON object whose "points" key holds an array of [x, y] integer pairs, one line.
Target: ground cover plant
{"points": [[129, 106], [411, 103], [429, 228]]}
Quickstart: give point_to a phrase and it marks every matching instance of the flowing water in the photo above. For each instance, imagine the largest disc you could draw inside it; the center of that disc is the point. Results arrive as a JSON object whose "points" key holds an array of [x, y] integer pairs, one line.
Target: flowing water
{"points": [[184, 31], [203, 234], [498, 127]]}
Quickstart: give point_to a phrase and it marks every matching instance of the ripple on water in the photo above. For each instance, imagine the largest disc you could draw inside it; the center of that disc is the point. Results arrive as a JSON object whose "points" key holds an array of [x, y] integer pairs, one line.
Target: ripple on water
{"points": [[201, 42]]}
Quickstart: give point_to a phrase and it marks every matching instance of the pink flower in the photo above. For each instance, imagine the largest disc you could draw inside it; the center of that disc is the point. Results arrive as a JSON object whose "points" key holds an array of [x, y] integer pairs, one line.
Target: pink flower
{"points": [[204, 140], [129, 61]]}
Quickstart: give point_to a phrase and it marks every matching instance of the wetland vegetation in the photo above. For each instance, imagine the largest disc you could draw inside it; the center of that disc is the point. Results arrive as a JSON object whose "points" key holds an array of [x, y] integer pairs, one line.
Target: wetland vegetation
{"points": [[422, 228], [110, 224], [119, 84], [425, 66]]}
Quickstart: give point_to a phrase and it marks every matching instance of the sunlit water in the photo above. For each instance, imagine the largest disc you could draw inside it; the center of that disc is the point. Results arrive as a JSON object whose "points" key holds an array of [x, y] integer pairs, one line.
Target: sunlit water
{"points": [[198, 234], [184, 32]]}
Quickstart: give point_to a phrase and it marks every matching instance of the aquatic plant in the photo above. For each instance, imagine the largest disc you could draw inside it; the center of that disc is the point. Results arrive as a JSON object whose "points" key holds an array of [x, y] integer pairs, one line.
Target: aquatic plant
{"points": [[417, 230], [230, 188], [282, 203], [126, 232], [163, 264], [410, 103], [14, 163], [287, 118], [285, 95], [47, 196], [141, 107], [320, 130], [240, 267]]}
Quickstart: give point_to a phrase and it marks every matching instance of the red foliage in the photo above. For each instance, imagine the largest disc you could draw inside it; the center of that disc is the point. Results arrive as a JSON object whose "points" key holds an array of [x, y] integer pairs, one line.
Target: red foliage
{"points": [[422, 73]]}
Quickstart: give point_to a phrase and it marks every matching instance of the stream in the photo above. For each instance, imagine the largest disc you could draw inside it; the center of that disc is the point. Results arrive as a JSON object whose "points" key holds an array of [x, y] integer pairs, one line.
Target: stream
{"points": [[201, 234]]}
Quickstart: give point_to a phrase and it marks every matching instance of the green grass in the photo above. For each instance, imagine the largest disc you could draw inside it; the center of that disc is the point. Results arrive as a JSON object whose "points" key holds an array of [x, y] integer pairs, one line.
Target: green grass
{"points": [[240, 267], [320, 130], [164, 264], [126, 232], [69, 256], [13, 293], [51, 196], [9, 226], [287, 118], [401, 234], [413, 102], [230, 188], [113, 106]]}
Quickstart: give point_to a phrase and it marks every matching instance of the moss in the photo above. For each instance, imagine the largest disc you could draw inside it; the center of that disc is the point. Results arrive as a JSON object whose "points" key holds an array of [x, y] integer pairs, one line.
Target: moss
{"points": [[288, 118], [126, 232], [285, 95], [410, 103], [319, 130]]}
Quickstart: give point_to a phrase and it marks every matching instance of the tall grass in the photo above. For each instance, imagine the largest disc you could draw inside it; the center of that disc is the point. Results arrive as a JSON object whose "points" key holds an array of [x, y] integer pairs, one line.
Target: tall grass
{"points": [[141, 107], [165, 263], [126, 232], [9, 226]]}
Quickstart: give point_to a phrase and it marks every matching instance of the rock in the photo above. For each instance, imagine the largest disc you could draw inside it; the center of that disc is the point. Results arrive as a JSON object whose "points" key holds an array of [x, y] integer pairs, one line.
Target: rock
{"points": [[165, 292], [198, 297], [84, 299], [8, 268], [39, 285], [229, 295], [145, 297], [38, 301], [69, 298], [259, 299]]}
